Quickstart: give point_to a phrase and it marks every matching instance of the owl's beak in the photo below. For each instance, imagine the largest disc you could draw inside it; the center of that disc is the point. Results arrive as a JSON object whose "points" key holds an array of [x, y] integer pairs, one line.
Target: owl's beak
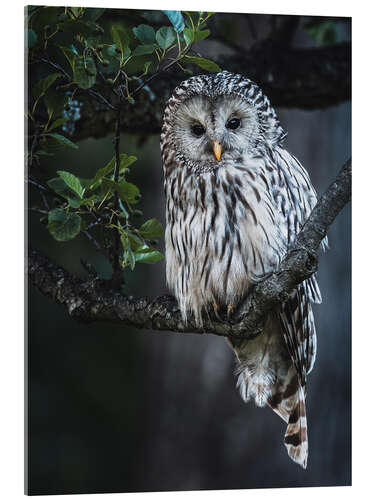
{"points": [[217, 148]]}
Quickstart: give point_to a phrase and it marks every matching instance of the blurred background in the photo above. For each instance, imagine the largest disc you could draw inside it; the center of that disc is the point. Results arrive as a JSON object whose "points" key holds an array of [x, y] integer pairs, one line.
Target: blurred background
{"points": [[112, 409]]}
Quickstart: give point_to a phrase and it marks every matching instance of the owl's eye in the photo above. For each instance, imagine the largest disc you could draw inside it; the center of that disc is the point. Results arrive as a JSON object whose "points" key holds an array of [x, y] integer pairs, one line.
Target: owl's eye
{"points": [[198, 129], [233, 123]]}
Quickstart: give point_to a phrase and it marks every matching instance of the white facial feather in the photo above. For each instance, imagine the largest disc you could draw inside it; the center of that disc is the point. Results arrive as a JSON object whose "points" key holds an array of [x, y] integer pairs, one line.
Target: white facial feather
{"points": [[213, 115]]}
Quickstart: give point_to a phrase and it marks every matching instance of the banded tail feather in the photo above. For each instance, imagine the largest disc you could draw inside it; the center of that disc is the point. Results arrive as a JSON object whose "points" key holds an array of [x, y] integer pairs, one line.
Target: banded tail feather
{"points": [[295, 438], [272, 368]]}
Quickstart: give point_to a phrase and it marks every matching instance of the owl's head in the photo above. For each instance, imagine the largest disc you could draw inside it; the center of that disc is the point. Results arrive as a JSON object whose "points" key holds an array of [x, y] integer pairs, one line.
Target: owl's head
{"points": [[210, 119]]}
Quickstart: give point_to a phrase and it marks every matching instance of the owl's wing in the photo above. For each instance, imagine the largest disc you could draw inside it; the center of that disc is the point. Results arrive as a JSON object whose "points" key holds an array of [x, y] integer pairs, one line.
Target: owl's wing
{"points": [[296, 197], [296, 203], [298, 328]]}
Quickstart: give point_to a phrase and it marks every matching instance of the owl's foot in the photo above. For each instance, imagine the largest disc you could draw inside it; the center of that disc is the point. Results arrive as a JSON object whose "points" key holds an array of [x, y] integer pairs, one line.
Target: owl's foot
{"points": [[221, 313], [230, 311]]}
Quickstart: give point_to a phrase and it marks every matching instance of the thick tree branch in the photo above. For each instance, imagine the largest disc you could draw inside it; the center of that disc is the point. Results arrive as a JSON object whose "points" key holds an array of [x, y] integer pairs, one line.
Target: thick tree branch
{"points": [[90, 300], [313, 78]]}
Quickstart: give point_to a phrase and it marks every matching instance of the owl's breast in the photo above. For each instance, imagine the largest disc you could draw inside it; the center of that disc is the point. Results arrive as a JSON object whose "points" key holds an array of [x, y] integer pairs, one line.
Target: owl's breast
{"points": [[222, 235]]}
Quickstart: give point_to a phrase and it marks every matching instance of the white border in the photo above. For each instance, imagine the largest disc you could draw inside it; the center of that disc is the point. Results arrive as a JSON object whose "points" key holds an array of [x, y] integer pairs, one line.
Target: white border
{"points": [[11, 363]]}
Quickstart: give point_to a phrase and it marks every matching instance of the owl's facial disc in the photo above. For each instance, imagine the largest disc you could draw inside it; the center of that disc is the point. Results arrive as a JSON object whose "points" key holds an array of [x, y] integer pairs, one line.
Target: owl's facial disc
{"points": [[213, 131]]}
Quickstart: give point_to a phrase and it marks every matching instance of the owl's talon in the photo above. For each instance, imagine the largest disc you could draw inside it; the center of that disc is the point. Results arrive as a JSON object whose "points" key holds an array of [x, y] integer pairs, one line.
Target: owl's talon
{"points": [[230, 310]]}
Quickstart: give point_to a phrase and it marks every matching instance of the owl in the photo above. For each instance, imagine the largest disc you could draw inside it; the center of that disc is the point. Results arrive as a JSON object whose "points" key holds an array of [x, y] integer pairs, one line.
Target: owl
{"points": [[235, 201]]}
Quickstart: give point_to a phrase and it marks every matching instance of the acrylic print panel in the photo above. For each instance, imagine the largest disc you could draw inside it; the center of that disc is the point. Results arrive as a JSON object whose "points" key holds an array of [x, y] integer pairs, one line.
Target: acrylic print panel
{"points": [[116, 408]]}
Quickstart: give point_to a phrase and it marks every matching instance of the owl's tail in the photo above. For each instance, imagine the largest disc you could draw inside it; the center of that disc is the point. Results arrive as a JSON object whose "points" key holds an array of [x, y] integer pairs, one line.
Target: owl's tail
{"points": [[295, 438], [274, 381]]}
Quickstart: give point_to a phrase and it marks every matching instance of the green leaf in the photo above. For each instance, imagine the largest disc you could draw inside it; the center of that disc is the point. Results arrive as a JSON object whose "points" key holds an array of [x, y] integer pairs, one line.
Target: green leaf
{"points": [[125, 162], [135, 241], [128, 255], [151, 229], [126, 190], [76, 11], [189, 35], [59, 186], [202, 63], [147, 255], [165, 37], [102, 172], [63, 140], [112, 50], [42, 86], [121, 38], [176, 19], [144, 49], [86, 201], [125, 241], [70, 54], [201, 35], [123, 209], [144, 33], [84, 72], [129, 192], [72, 181], [57, 123], [31, 38], [131, 259], [62, 225], [146, 67], [209, 14], [112, 58]]}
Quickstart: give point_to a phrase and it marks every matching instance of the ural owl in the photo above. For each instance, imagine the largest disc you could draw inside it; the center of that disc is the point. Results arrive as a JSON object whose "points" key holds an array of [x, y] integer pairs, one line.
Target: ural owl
{"points": [[235, 200]]}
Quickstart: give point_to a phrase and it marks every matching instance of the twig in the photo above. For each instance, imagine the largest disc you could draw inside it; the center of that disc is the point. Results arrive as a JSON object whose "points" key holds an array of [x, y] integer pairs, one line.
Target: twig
{"points": [[158, 73], [95, 243], [34, 144], [117, 275], [308, 78], [101, 98], [46, 190], [92, 92]]}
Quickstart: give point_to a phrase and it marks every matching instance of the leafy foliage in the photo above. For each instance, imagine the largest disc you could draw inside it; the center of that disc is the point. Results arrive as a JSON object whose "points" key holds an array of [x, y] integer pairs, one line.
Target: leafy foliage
{"points": [[77, 51], [63, 225]]}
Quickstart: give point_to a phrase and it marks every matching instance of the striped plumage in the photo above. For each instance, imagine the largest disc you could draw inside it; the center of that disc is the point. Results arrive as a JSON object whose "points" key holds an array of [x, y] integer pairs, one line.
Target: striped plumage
{"points": [[231, 215]]}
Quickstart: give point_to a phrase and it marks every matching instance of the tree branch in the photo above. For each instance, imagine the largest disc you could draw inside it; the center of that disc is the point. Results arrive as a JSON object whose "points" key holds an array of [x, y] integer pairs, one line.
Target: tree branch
{"points": [[313, 78], [91, 300]]}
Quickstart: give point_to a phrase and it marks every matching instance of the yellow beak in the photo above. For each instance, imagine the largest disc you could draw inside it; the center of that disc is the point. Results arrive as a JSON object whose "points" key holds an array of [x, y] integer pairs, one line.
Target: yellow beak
{"points": [[217, 148]]}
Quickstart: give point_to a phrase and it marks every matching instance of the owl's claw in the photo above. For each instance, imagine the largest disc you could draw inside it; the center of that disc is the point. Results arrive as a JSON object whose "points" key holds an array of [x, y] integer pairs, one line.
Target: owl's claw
{"points": [[220, 312], [230, 310]]}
